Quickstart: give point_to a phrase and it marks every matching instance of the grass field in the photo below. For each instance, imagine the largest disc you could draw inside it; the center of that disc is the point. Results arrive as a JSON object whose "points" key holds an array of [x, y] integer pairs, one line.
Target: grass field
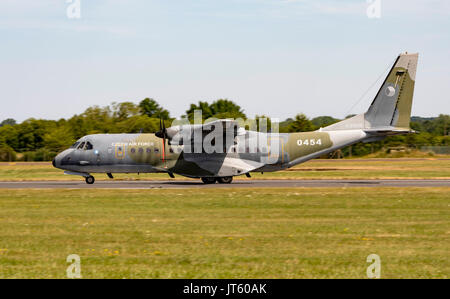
{"points": [[430, 168], [237, 233]]}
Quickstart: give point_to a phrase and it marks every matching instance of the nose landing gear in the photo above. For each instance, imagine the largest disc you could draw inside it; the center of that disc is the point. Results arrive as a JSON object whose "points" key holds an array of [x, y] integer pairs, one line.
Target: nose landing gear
{"points": [[90, 180]]}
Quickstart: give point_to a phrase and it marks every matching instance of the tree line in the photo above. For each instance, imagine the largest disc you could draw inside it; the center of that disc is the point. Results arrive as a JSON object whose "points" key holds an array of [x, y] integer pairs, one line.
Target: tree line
{"points": [[41, 140]]}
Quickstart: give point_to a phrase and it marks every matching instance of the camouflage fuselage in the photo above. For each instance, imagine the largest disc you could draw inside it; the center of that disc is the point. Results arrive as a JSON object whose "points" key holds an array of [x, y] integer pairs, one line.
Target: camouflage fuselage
{"points": [[145, 153], [249, 151]]}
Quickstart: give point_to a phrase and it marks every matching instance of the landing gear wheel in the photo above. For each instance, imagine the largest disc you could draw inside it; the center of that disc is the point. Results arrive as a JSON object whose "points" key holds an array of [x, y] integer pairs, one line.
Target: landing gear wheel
{"points": [[90, 180], [208, 180], [225, 180]]}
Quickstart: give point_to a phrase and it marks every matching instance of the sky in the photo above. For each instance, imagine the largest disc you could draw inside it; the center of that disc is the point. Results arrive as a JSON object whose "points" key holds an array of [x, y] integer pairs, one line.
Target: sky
{"points": [[272, 57]]}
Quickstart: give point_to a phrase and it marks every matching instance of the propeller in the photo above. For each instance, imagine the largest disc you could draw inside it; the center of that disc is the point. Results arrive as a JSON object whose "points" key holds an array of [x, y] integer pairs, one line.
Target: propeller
{"points": [[162, 133]]}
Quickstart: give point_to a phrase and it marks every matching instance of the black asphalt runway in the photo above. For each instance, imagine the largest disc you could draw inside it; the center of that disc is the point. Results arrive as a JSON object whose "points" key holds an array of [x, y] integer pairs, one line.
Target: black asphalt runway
{"points": [[236, 184]]}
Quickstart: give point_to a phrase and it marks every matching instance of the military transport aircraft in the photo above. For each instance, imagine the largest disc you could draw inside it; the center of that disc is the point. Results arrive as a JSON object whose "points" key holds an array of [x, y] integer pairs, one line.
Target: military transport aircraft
{"points": [[219, 150]]}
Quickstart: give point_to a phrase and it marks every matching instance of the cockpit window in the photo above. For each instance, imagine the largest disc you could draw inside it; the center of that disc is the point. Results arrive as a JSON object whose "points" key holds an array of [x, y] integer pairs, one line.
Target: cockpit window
{"points": [[75, 144], [88, 146], [81, 146]]}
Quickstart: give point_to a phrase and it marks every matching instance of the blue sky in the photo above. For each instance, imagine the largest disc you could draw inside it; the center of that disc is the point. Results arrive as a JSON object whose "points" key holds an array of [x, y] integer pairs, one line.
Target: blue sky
{"points": [[273, 57]]}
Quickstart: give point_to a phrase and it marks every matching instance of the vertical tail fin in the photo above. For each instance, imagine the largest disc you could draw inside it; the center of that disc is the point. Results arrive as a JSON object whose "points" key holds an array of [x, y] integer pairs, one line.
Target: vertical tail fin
{"points": [[392, 104], [391, 108]]}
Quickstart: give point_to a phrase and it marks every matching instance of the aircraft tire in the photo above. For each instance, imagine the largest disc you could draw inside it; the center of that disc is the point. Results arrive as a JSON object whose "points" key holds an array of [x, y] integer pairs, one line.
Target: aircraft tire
{"points": [[225, 180], [90, 180], [208, 180]]}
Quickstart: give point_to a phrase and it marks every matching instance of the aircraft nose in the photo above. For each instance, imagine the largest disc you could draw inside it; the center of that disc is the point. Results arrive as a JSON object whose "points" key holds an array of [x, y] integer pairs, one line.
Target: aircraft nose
{"points": [[57, 161]]}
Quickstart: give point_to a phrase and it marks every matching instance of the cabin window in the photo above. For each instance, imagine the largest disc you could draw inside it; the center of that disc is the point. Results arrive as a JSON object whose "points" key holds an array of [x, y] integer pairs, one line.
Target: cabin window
{"points": [[141, 150], [156, 150], [133, 150], [171, 150], [89, 146], [149, 150]]}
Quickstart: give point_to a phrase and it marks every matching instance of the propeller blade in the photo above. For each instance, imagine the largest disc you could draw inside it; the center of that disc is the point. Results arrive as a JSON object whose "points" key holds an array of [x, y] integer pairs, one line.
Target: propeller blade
{"points": [[162, 132], [163, 129]]}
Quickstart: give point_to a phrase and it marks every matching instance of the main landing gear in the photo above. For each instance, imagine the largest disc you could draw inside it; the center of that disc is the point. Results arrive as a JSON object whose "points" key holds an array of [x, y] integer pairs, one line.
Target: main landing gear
{"points": [[90, 180], [208, 180], [221, 180], [225, 180]]}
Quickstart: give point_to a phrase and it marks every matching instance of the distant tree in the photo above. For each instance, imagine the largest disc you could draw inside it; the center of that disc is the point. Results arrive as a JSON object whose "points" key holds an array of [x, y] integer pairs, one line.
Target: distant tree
{"points": [[301, 124], [323, 121], [58, 139], [416, 126], [30, 134], [93, 120], [224, 108], [221, 108], [124, 110], [261, 118], [434, 125], [151, 108], [442, 125], [7, 153], [203, 106], [37, 139], [78, 126], [9, 136], [137, 123], [284, 125], [421, 119], [8, 121]]}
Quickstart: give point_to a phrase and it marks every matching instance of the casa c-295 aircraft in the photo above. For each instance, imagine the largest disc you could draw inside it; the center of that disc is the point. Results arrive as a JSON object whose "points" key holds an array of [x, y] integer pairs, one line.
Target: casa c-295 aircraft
{"points": [[199, 150]]}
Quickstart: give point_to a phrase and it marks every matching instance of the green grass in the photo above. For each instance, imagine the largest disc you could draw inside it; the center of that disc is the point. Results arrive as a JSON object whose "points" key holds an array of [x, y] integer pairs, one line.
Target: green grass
{"points": [[233, 233], [316, 169]]}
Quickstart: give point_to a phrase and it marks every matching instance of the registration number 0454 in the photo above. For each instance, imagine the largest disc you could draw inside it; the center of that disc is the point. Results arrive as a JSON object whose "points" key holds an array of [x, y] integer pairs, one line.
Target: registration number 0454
{"points": [[307, 142]]}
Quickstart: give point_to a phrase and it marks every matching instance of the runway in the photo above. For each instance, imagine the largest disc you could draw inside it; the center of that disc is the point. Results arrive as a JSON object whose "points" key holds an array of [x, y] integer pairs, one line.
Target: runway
{"points": [[167, 184]]}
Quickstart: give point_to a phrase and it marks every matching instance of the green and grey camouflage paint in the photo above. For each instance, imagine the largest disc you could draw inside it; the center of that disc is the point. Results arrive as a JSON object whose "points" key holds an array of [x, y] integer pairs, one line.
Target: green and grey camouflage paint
{"points": [[389, 114]]}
